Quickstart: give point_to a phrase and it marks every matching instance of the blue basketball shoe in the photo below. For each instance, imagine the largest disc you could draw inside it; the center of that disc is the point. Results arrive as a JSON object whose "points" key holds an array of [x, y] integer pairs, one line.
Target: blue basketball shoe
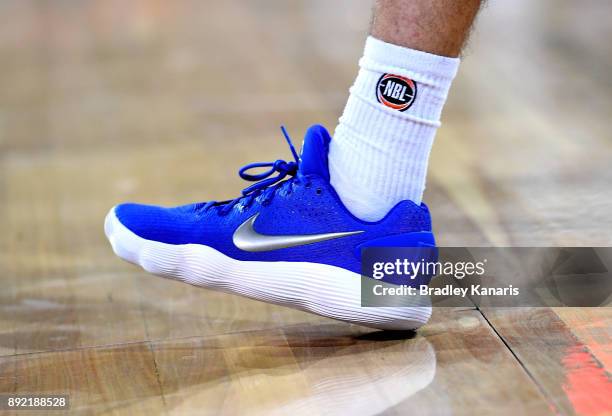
{"points": [[288, 240]]}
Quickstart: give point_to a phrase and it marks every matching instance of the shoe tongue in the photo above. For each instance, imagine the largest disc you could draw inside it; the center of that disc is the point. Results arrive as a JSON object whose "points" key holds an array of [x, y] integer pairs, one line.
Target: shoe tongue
{"points": [[313, 160]]}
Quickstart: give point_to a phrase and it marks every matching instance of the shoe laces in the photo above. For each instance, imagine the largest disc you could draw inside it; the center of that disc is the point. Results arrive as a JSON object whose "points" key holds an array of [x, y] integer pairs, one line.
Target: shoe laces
{"points": [[266, 185]]}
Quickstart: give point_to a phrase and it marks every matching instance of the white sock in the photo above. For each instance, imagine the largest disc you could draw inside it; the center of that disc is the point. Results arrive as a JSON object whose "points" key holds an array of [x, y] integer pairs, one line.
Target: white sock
{"points": [[379, 153]]}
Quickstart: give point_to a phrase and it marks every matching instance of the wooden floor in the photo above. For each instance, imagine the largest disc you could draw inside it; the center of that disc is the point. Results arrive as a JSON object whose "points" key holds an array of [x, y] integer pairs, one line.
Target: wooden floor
{"points": [[161, 102]]}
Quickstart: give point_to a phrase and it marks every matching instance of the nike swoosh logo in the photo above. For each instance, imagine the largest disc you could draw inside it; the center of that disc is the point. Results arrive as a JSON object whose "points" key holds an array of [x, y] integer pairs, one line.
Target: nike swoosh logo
{"points": [[247, 239]]}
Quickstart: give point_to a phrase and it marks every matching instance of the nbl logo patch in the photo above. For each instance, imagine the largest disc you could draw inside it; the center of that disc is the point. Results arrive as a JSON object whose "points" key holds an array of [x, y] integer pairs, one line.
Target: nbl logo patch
{"points": [[396, 92]]}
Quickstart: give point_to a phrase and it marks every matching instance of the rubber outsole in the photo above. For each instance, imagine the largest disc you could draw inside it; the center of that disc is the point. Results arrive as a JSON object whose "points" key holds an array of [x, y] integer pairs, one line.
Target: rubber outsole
{"points": [[321, 289]]}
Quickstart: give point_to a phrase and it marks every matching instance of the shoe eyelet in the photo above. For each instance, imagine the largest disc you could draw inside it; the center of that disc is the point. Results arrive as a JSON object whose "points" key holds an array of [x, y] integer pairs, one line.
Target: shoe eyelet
{"points": [[319, 191]]}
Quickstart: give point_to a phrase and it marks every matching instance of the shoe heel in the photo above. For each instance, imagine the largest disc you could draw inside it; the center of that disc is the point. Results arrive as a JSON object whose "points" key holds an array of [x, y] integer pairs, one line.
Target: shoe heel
{"points": [[422, 247], [415, 239]]}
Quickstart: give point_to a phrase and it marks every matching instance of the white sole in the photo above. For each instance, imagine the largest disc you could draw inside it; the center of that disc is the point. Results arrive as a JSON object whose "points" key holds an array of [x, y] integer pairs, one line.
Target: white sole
{"points": [[321, 289]]}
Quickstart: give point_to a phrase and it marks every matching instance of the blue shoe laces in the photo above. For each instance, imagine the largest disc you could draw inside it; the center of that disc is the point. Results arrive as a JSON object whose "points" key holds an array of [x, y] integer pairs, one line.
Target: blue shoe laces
{"points": [[266, 185]]}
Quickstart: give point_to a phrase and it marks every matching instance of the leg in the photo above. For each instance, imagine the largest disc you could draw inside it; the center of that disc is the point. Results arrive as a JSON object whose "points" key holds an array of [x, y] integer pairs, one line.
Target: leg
{"points": [[288, 239], [381, 146], [439, 27]]}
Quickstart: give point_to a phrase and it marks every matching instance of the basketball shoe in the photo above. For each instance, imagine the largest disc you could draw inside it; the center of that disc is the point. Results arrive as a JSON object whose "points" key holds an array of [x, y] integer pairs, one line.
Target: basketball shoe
{"points": [[288, 240]]}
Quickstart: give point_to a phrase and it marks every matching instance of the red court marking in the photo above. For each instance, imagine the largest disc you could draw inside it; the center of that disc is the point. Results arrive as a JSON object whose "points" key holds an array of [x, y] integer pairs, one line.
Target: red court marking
{"points": [[587, 385], [594, 333]]}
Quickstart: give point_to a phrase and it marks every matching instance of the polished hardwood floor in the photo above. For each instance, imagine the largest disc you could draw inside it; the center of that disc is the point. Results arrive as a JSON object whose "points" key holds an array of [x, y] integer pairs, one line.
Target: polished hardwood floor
{"points": [[158, 101]]}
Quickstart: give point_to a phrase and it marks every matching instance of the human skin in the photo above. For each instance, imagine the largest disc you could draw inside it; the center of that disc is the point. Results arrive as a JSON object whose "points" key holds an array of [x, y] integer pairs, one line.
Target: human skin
{"points": [[440, 27]]}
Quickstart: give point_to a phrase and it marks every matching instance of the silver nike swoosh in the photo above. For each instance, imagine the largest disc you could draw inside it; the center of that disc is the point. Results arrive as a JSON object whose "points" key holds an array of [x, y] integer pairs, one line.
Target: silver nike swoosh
{"points": [[247, 239]]}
